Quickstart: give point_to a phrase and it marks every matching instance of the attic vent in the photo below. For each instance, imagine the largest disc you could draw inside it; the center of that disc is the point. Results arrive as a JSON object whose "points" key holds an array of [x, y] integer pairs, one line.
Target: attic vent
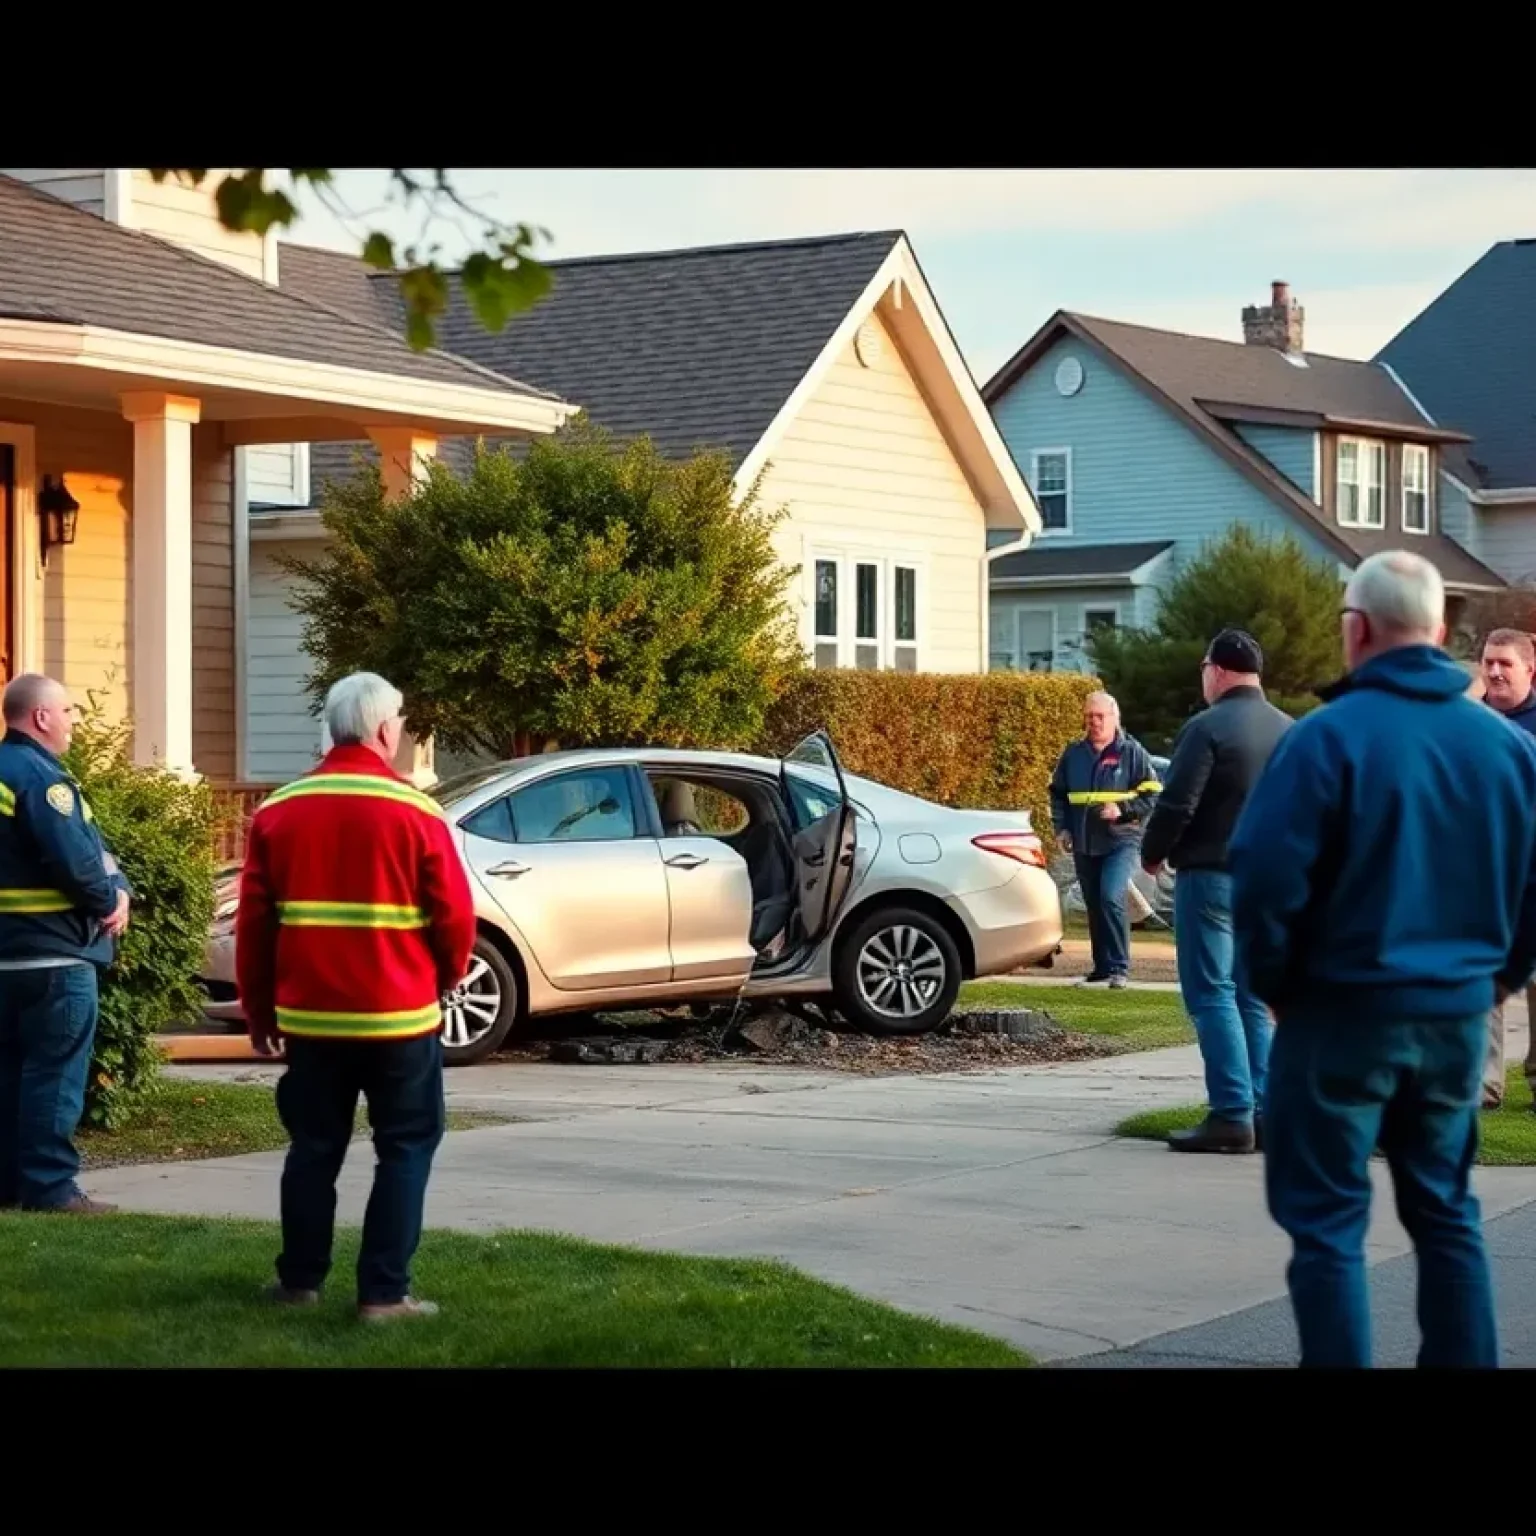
{"points": [[1069, 376], [869, 344]]}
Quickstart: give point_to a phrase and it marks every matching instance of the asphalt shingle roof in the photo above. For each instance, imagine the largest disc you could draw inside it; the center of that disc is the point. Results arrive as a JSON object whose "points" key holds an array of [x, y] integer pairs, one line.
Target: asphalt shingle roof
{"points": [[61, 263], [1470, 357], [1048, 561], [695, 348]]}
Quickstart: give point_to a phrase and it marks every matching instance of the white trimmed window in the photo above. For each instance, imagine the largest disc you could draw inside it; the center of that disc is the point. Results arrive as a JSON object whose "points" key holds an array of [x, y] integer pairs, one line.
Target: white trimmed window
{"points": [[867, 612], [1051, 476], [1415, 488], [1362, 483]]}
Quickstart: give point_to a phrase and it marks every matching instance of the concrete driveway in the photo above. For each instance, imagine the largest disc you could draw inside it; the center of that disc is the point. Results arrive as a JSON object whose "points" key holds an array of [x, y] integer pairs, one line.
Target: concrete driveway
{"points": [[998, 1200]]}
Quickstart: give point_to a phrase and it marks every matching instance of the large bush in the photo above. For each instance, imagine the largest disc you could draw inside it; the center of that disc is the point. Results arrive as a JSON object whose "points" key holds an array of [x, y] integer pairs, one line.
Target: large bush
{"points": [[1285, 599], [978, 742], [160, 829]]}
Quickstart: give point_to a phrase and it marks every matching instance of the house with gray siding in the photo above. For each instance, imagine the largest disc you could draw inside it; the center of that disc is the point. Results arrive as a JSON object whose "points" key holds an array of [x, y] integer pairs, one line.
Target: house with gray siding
{"points": [[1470, 360], [1144, 445]]}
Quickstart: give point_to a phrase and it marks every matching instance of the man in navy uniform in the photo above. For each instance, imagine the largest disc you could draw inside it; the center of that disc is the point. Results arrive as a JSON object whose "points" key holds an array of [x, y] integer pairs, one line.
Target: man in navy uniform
{"points": [[63, 902]]}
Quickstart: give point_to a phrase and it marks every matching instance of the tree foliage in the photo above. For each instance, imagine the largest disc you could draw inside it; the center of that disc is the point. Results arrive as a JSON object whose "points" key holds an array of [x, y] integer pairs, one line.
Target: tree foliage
{"points": [[160, 830], [583, 595], [1286, 600], [499, 279]]}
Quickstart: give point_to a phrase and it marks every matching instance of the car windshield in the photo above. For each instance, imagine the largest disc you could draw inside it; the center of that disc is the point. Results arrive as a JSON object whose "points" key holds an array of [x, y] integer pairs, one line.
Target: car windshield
{"points": [[450, 791]]}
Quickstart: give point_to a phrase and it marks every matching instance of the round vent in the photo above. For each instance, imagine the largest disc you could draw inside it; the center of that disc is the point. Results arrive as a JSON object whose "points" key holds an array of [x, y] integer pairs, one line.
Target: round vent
{"points": [[1069, 376], [868, 344]]}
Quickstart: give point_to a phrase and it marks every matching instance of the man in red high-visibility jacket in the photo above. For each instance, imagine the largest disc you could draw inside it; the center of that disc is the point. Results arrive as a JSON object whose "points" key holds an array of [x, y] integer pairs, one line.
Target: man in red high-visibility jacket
{"points": [[355, 919]]}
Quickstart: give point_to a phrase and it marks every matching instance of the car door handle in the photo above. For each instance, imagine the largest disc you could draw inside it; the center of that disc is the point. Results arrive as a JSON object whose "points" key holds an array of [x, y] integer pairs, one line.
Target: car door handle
{"points": [[508, 871], [687, 860]]}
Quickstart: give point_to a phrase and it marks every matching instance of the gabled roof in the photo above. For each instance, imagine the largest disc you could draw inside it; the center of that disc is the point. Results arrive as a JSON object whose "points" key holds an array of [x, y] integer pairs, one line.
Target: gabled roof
{"points": [[1470, 358], [1211, 385], [1077, 562], [62, 265], [696, 348]]}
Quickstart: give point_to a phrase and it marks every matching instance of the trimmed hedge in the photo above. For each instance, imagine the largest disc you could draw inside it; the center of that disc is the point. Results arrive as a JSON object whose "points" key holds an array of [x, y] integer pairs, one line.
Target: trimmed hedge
{"points": [[984, 742]]}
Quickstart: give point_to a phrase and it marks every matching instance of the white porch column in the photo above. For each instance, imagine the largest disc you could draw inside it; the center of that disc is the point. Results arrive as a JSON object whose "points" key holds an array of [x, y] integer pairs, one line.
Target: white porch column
{"points": [[404, 457], [161, 531]]}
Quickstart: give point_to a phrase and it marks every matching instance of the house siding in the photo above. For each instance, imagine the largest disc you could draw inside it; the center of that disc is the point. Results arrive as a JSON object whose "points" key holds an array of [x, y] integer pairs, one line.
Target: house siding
{"points": [[1458, 518], [1138, 472], [277, 474], [85, 189], [189, 217], [282, 737], [87, 586], [1291, 450], [866, 471], [1066, 606], [1506, 540]]}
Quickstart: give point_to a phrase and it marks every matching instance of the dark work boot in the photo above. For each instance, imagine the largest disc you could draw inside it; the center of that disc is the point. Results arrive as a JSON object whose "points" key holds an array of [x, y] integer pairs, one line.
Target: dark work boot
{"points": [[1214, 1136]]}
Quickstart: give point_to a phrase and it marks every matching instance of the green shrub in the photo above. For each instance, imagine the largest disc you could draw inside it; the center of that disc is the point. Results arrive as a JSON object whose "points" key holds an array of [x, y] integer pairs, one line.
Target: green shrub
{"points": [[986, 742], [161, 831]]}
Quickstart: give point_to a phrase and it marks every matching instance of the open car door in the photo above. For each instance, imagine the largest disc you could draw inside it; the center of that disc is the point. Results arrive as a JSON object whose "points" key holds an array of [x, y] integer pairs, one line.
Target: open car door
{"points": [[824, 844]]}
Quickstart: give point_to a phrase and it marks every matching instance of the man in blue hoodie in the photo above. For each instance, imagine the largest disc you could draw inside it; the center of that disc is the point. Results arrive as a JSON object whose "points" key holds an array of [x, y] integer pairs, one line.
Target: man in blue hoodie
{"points": [[1507, 673], [1384, 899]]}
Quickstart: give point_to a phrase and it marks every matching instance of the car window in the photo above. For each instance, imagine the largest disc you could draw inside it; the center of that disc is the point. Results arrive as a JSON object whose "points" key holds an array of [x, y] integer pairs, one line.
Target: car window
{"points": [[493, 821], [811, 801], [448, 792], [715, 812], [593, 805]]}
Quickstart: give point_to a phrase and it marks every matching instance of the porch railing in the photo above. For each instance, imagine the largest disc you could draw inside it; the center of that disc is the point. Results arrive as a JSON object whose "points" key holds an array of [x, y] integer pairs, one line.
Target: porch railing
{"points": [[236, 804]]}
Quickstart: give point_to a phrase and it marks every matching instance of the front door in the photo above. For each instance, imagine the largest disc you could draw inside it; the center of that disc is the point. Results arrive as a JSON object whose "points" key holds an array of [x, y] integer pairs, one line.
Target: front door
{"points": [[7, 539]]}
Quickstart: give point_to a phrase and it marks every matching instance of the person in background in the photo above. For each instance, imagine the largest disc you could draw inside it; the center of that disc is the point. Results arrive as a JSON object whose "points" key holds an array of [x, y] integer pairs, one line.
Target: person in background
{"points": [[63, 905], [355, 920], [1217, 758], [1507, 671], [1102, 789], [1399, 796]]}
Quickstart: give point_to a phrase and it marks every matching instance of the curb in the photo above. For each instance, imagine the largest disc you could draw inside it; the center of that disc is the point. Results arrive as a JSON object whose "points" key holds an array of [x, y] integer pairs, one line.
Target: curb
{"points": [[200, 1048]]}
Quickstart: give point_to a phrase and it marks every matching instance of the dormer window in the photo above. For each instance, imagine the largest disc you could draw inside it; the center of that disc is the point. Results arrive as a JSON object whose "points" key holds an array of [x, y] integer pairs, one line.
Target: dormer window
{"points": [[1362, 483], [1415, 488]]}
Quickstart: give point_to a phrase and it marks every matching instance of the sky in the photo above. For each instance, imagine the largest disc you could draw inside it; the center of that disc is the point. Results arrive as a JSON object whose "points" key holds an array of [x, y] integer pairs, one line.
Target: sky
{"points": [[1363, 251]]}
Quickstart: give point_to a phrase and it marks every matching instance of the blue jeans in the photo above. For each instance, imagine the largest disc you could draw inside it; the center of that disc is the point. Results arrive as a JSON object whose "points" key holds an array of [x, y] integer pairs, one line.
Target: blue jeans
{"points": [[1232, 1027], [1339, 1087], [1102, 878], [402, 1081], [47, 1030]]}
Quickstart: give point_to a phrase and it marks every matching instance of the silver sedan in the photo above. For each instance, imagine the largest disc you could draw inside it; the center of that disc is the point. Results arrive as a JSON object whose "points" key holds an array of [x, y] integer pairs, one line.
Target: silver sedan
{"points": [[654, 878]]}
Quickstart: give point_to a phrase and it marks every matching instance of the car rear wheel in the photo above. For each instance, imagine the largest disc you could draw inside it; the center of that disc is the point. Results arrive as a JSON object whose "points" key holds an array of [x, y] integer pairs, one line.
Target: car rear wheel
{"points": [[897, 973], [479, 1013]]}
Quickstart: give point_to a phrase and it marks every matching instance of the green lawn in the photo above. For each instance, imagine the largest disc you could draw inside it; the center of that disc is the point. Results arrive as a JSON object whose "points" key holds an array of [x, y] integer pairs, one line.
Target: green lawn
{"points": [[1508, 1133], [190, 1118], [1075, 926], [1140, 1020], [178, 1291]]}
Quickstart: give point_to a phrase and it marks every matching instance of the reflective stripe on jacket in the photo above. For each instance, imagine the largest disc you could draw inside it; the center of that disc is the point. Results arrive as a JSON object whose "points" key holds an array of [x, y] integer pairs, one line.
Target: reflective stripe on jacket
{"points": [[1121, 774], [355, 914], [56, 884]]}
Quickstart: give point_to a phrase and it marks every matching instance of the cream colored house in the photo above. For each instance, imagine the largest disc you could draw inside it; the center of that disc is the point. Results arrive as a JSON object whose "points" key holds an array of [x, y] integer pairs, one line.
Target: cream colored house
{"points": [[144, 352], [825, 361]]}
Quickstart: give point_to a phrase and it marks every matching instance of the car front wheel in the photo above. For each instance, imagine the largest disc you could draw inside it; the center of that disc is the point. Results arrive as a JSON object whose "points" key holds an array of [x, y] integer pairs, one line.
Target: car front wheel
{"points": [[479, 1013], [897, 973]]}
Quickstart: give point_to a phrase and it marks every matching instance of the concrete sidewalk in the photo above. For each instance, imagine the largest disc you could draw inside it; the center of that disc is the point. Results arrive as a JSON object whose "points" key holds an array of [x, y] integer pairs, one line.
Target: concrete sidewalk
{"points": [[998, 1199]]}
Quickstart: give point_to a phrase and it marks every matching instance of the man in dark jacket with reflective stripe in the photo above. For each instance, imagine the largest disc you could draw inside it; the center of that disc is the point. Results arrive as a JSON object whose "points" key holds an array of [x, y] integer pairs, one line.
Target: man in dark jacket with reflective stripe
{"points": [[1217, 759], [1508, 674], [63, 902], [1101, 792]]}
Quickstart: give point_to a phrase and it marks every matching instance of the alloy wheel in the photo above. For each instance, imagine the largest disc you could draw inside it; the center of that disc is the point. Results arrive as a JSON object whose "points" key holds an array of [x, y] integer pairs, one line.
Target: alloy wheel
{"points": [[470, 1011], [900, 972]]}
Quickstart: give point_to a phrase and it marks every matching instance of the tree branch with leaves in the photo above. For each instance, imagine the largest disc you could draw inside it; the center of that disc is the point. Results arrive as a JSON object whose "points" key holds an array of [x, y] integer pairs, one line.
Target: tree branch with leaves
{"points": [[500, 278]]}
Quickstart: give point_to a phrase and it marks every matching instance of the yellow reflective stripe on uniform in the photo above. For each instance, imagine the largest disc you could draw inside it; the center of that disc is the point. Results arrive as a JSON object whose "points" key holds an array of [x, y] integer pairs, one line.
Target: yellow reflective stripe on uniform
{"points": [[7, 800], [349, 914], [1148, 787], [352, 784], [383, 1026], [1099, 796], [35, 901]]}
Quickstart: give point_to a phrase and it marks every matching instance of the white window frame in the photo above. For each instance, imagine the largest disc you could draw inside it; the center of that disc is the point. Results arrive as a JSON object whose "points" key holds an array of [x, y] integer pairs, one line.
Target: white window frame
{"points": [[1065, 454], [1018, 621], [847, 559], [1368, 451], [1418, 453]]}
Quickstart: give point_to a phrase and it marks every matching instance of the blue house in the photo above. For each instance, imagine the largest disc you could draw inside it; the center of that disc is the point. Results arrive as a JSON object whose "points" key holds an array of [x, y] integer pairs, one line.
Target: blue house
{"points": [[1470, 360], [1142, 445]]}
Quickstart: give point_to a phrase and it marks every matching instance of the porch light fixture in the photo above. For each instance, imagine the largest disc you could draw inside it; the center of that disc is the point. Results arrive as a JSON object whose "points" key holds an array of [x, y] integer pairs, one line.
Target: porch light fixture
{"points": [[58, 512]]}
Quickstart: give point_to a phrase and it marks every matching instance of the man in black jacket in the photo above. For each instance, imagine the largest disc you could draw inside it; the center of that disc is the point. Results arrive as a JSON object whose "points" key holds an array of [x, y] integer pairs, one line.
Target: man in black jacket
{"points": [[1217, 759]]}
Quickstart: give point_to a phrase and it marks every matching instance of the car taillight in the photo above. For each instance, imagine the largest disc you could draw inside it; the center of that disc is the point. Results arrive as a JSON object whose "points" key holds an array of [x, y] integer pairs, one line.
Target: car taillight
{"points": [[1023, 846]]}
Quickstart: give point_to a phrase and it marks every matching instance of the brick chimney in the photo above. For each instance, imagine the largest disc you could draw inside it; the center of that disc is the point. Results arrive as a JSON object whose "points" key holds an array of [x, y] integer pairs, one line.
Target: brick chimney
{"points": [[1277, 324]]}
